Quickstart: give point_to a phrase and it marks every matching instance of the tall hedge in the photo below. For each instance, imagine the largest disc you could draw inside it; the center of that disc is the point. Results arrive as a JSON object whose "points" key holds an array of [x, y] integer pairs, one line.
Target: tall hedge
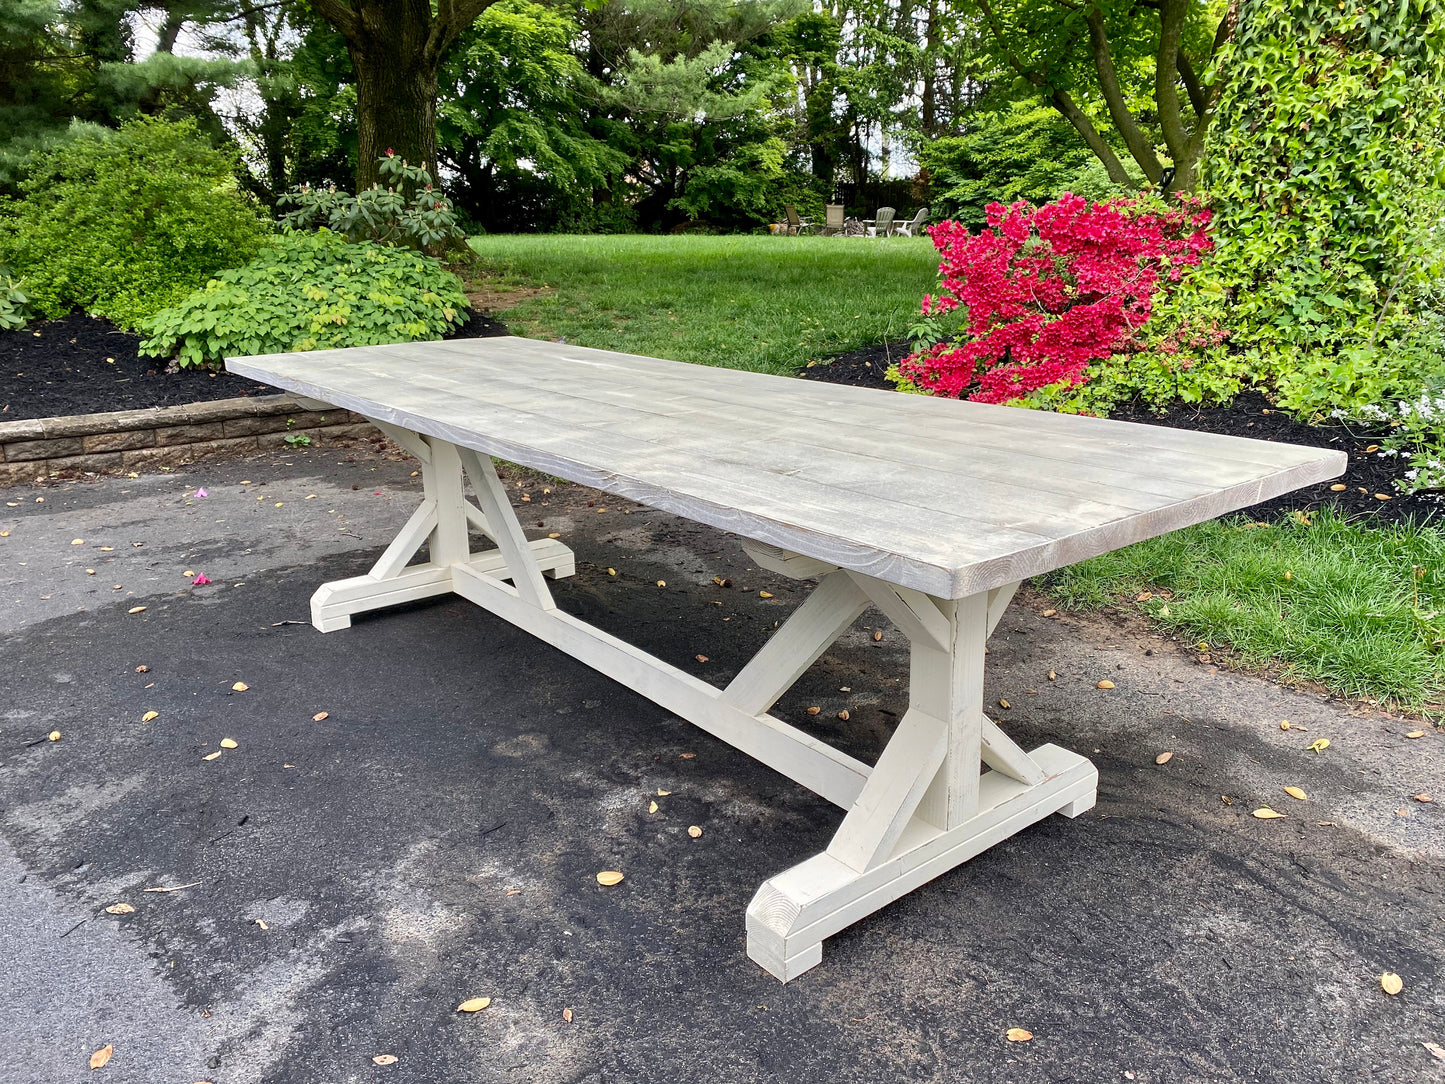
{"points": [[1324, 165]]}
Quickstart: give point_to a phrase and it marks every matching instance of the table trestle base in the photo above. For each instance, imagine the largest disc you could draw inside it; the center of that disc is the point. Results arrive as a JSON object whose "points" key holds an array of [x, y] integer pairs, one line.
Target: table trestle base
{"points": [[925, 807]]}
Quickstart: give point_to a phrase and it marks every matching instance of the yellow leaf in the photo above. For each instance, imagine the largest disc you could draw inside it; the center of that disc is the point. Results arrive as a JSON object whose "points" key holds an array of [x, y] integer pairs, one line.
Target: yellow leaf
{"points": [[1389, 982], [188, 572], [1319, 745], [609, 877], [320, 715], [1019, 1035], [229, 743], [1284, 724], [1338, 487], [101, 1056], [661, 583], [1295, 792], [652, 807], [54, 735], [119, 909], [136, 610], [148, 716], [567, 1015], [1415, 734], [695, 832], [77, 541], [474, 1004], [1164, 758], [555, 534], [262, 924], [1050, 613], [385, 1059], [1264, 813], [663, 793], [1004, 703], [765, 594], [239, 687], [612, 572], [212, 756], [1053, 676], [1106, 684]]}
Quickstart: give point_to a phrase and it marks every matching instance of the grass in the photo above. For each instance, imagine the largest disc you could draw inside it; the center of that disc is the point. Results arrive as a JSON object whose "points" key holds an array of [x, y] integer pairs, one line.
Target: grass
{"points": [[768, 304], [1358, 609]]}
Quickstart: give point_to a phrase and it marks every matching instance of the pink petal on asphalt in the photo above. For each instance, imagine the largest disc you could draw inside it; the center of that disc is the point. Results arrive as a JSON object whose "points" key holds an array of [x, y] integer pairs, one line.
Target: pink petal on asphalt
{"points": [[200, 579], [202, 492]]}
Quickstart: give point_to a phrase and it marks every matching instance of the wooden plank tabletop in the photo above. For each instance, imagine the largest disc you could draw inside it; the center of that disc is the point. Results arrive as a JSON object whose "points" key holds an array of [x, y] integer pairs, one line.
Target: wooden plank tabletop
{"points": [[943, 496]]}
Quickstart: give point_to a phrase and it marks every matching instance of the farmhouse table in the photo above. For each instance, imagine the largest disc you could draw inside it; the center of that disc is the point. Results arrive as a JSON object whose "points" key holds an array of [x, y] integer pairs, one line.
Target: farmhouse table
{"points": [[930, 510]]}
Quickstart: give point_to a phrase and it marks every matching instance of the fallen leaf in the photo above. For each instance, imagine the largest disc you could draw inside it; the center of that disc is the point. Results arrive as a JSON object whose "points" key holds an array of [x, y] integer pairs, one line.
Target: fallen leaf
{"points": [[148, 716], [1004, 703], [385, 1059], [700, 658], [90, 572], [1415, 734], [567, 1015], [1264, 813], [1284, 724], [1295, 792], [474, 1004], [1226, 799], [687, 756], [1403, 813], [514, 891], [119, 909], [612, 572], [844, 715], [142, 669], [1053, 676], [554, 534], [765, 594], [1143, 596], [722, 581], [239, 687], [1105, 684], [1436, 1050], [1338, 487], [1423, 798], [212, 756], [1319, 745], [1372, 448], [229, 743], [101, 1056], [77, 541], [1019, 1035], [1164, 758], [1050, 613], [814, 710], [1391, 983], [1383, 497], [54, 735], [188, 572], [652, 807], [136, 610], [262, 924], [609, 877], [663, 793], [320, 715], [661, 583], [694, 831]]}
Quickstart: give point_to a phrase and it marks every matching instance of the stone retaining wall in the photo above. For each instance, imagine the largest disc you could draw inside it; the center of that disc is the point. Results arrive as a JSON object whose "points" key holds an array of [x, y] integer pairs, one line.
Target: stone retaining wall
{"points": [[136, 440]]}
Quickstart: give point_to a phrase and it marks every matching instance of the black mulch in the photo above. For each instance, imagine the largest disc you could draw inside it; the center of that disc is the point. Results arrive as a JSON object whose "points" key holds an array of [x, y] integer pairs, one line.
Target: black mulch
{"points": [[82, 365], [1250, 415]]}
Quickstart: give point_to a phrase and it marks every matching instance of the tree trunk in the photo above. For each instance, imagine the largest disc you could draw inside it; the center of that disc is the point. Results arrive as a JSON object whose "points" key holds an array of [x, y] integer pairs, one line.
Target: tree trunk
{"points": [[396, 104]]}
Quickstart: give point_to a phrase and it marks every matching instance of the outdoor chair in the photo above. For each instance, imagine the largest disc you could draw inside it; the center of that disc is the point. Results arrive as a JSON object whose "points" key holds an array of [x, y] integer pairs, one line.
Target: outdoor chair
{"points": [[914, 226], [882, 222], [832, 220], [796, 223]]}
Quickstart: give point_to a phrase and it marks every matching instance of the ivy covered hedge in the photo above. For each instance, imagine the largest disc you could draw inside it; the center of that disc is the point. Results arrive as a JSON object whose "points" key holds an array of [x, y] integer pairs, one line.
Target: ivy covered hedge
{"points": [[311, 291]]}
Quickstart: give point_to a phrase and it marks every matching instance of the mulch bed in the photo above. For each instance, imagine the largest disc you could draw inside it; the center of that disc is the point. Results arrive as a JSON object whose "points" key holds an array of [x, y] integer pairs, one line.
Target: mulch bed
{"points": [[1250, 415], [82, 365]]}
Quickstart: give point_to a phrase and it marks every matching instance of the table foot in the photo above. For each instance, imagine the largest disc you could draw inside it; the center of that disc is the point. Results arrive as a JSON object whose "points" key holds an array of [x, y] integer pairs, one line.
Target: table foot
{"points": [[792, 913]]}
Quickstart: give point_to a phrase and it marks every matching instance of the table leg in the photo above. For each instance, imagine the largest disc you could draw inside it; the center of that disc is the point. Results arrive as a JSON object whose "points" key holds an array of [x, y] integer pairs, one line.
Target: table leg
{"points": [[925, 807]]}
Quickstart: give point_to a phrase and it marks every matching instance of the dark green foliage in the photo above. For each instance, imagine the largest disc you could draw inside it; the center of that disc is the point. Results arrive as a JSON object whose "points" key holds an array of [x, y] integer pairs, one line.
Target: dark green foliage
{"points": [[311, 291], [123, 223], [403, 209], [14, 305]]}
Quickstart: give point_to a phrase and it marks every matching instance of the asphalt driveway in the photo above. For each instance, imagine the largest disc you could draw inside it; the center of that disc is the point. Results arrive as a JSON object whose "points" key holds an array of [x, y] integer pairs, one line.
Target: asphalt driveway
{"points": [[435, 835]]}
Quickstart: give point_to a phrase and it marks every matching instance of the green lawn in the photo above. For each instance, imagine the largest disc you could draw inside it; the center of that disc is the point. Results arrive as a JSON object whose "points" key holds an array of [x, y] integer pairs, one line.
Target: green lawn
{"points": [[1359, 609], [769, 304]]}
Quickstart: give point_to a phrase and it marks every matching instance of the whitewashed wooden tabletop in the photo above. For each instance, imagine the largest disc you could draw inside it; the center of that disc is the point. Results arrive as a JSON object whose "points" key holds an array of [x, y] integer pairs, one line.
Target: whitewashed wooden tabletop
{"points": [[942, 496]]}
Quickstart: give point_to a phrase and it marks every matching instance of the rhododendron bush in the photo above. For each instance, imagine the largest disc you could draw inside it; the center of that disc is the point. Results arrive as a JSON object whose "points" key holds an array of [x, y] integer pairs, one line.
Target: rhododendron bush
{"points": [[1045, 291]]}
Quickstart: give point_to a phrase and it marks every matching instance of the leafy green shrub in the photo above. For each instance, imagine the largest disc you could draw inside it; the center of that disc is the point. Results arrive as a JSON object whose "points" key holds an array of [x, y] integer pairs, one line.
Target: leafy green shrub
{"points": [[424, 219], [124, 224], [14, 305], [310, 291]]}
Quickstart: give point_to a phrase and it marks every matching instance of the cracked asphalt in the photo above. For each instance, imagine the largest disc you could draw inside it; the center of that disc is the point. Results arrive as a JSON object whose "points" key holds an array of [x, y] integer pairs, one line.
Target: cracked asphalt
{"points": [[436, 835]]}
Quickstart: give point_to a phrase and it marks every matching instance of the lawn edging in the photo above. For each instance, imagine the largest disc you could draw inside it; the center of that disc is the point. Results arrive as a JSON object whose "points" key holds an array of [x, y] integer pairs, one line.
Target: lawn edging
{"points": [[43, 449]]}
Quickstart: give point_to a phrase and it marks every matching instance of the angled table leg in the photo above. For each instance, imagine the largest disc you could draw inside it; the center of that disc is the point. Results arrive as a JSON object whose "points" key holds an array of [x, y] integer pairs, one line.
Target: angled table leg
{"points": [[926, 806]]}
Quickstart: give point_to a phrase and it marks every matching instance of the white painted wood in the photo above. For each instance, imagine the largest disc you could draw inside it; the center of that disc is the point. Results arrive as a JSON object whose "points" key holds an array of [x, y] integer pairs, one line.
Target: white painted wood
{"points": [[948, 685], [412, 442], [824, 616], [998, 600], [497, 512], [792, 913], [943, 497], [404, 546], [806, 760], [793, 565], [896, 786], [916, 615], [1002, 754]]}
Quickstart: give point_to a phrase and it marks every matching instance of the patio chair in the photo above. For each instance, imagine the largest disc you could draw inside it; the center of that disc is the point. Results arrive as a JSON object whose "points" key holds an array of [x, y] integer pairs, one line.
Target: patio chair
{"points": [[796, 223], [882, 222], [914, 226], [832, 220]]}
